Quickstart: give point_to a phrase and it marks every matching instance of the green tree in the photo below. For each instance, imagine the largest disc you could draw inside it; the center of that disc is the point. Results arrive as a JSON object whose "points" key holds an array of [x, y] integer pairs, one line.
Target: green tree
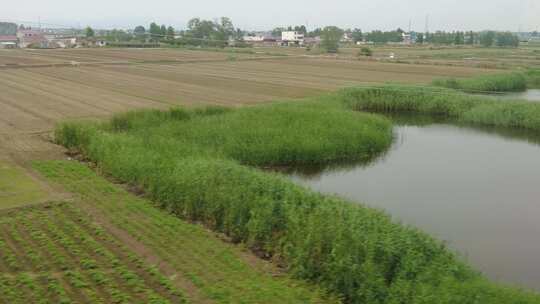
{"points": [[420, 38], [315, 33], [201, 29], [487, 39], [239, 34], [459, 38], [330, 37], [385, 37], [8, 28], [163, 31], [301, 29], [140, 32], [89, 32], [170, 33], [357, 35], [277, 31], [428, 37], [470, 38], [155, 31], [209, 32], [117, 36], [365, 51], [507, 39], [224, 30]]}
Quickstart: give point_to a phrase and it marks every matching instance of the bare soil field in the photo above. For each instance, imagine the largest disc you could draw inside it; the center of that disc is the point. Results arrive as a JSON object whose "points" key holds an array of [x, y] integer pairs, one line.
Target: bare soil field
{"points": [[33, 99], [84, 55]]}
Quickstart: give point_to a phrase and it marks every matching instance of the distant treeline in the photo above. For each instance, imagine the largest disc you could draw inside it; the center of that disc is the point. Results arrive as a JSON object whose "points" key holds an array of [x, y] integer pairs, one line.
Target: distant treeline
{"points": [[221, 32], [487, 38], [8, 28], [199, 32]]}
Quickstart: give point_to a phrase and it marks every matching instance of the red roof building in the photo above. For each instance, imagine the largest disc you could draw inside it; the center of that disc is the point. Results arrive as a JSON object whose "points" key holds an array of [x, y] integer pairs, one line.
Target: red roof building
{"points": [[8, 41]]}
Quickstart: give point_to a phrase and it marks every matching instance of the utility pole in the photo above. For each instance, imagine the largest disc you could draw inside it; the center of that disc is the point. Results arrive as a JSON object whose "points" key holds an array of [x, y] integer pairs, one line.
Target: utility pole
{"points": [[427, 24]]}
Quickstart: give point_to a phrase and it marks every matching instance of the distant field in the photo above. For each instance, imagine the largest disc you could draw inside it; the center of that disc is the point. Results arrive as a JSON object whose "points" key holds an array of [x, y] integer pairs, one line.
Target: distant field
{"points": [[57, 56], [523, 57], [493, 58]]}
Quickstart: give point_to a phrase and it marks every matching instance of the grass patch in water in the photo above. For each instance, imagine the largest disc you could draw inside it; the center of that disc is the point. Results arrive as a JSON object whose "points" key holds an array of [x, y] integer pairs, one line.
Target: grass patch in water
{"points": [[445, 102]]}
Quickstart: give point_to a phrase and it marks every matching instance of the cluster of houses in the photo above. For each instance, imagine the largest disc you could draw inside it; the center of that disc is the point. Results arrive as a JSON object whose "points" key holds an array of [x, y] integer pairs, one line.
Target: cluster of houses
{"points": [[294, 38], [36, 38], [287, 38]]}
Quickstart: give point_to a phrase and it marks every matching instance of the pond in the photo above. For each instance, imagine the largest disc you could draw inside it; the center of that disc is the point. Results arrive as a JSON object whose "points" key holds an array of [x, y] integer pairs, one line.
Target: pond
{"points": [[529, 95], [476, 189]]}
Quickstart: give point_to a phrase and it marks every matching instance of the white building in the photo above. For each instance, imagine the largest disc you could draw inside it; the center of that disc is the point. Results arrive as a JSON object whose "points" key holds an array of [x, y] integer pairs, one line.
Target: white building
{"points": [[292, 37], [253, 38], [407, 38]]}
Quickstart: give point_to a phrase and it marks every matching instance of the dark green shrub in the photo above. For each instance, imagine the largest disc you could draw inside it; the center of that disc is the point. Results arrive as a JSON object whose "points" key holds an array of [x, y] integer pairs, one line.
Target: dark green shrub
{"points": [[365, 51]]}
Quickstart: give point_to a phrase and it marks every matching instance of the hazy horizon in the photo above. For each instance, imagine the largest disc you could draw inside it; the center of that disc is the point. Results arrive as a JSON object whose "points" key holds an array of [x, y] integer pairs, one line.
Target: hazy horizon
{"points": [[443, 14]]}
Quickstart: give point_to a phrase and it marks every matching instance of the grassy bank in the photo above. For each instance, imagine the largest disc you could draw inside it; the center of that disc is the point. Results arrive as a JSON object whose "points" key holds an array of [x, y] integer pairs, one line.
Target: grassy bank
{"points": [[511, 82], [193, 164], [434, 101]]}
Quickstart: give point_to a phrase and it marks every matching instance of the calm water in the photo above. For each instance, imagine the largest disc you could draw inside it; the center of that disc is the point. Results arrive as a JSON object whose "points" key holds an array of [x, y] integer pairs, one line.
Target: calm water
{"points": [[530, 95], [479, 190]]}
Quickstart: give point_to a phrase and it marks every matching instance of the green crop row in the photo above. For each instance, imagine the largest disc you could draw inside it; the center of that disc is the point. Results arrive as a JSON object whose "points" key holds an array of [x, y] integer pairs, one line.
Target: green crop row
{"points": [[62, 259]]}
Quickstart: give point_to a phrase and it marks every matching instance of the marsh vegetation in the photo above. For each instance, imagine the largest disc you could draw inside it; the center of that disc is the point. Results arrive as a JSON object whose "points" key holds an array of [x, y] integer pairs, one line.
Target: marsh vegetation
{"points": [[193, 163]]}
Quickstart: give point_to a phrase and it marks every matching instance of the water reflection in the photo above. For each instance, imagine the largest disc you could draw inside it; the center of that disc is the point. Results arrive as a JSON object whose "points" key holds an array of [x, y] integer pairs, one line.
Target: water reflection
{"points": [[529, 95], [413, 120]]}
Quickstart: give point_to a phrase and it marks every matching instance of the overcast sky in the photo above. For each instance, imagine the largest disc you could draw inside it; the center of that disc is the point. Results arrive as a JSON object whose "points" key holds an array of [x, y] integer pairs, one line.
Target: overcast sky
{"points": [[257, 15]]}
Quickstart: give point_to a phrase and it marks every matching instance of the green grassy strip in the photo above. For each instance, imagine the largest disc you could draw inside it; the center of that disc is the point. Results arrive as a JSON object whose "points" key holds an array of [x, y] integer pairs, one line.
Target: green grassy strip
{"points": [[433, 101], [533, 78], [191, 163], [510, 82]]}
